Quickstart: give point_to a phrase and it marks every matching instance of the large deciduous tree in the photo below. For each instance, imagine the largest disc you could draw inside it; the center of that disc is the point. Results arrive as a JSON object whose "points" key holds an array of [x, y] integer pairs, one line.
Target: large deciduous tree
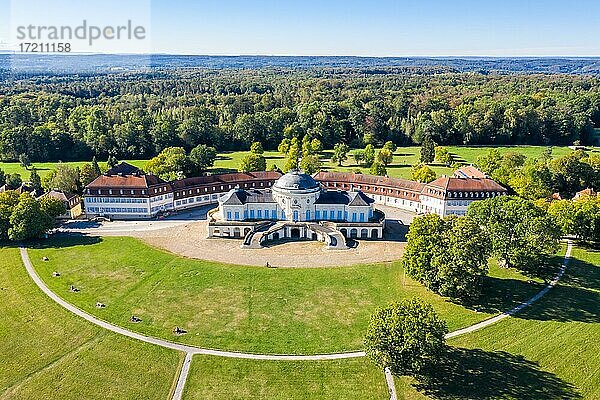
{"points": [[422, 173], [172, 163], [27, 220], [406, 337], [203, 157], [449, 256], [523, 235], [253, 162], [340, 153], [63, 178]]}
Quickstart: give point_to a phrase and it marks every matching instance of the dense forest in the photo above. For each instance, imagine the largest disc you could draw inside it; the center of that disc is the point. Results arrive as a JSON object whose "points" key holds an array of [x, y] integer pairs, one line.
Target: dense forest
{"points": [[136, 115]]}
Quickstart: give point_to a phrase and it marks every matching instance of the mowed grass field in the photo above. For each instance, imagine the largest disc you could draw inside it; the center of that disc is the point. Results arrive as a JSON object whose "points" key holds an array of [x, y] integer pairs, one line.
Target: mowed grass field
{"points": [[555, 343], [48, 353], [227, 379], [404, 158], [44, 169], [243, 308], [550, 351]]}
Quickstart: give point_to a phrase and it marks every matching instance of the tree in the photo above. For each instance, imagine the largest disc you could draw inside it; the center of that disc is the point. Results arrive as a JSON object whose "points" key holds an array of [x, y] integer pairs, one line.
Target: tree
{"points": [[449, 256], [369, 155], [391, 146], [422, 173], [489, 162], [170, 164], [585, 216], [96, 167], [310, 164], [111, 161], [385, 156], [359, 156], [52, 207], [523, 236], [8, 201], [424, 241], [378, 168], [406, 337], [292, 158], [253, 162], [35, 180], [257, 148], [571, 173], [427, 150], [2, 178], [532, 181], [24, 161], [463, 260], [27, 220], [340, 153], [443, 156], [14, 180], [316, 146], [563, 212], [203, 157], [63, 178], [87, 174], [284, 146]]}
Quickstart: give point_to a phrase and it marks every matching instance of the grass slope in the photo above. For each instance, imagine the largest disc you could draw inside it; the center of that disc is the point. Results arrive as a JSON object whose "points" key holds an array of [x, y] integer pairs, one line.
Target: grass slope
{"points": [[47, 353], [557, 338], [220, 378], [254, 309]]}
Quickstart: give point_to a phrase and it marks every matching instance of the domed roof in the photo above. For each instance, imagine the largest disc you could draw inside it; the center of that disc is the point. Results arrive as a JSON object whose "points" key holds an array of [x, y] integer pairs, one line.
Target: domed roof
{"points": [[296, 180]]}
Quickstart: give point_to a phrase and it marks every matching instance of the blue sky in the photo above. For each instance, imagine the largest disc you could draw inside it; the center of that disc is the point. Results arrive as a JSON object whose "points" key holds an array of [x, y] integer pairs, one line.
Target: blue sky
{"points": [[373, 28]]}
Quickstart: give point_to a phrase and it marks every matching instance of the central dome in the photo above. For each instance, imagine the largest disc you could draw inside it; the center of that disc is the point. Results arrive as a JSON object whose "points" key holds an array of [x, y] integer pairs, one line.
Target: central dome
{"points": [[296, 180]]}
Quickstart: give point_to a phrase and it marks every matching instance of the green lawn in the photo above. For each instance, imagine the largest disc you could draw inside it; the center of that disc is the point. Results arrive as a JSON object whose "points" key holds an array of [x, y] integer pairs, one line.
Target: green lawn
{"points": [[404, 158], [48, 353], [549, 351], [555, 343], [254, 309], [44, 169], [229, 379]]}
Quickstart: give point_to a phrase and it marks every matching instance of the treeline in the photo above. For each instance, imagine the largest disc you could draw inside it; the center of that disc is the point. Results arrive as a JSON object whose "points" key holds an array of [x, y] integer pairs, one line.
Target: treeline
{"points": [[138, 115]]}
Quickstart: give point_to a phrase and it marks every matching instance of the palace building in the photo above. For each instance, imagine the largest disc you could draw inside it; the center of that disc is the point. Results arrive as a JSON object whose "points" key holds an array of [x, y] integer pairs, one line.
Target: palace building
{"points": [[296, 207], [267, 205]]}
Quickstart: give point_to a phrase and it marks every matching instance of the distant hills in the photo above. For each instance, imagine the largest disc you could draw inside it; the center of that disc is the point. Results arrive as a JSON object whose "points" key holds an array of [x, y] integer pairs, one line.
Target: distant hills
{"points": [[68, 64]]}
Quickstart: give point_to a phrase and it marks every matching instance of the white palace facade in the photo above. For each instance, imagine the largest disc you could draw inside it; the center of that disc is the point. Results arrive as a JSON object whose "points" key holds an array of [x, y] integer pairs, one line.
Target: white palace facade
{"points": [[293, 205]]}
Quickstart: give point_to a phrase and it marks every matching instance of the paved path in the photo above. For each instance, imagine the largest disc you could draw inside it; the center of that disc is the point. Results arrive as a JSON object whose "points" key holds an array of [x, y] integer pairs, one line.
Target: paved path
{"points": [[389, 378], [192, 350], [521, 306], [185, 370]]}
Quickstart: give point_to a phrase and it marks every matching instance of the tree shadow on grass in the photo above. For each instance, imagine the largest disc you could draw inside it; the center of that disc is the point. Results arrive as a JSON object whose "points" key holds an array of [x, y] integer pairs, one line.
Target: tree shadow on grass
{"points": [[64, 240], [500, 295], [478, 374], [576, 297]]}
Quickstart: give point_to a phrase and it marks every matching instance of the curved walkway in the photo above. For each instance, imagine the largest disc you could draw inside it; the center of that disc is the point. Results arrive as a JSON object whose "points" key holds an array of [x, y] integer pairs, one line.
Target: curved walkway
{"points": [[232, 354], [190, 351]]}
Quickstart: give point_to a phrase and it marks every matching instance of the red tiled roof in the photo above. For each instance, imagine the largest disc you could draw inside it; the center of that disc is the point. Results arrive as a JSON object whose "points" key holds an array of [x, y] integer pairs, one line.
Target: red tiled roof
{"points": [[225, 178], [469, 171], [467, 184], [124, 182], [347, 177]]}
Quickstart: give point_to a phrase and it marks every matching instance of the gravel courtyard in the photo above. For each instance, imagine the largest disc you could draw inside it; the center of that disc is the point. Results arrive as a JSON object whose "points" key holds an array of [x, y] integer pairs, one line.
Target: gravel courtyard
{"points": [[190, 241]]}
